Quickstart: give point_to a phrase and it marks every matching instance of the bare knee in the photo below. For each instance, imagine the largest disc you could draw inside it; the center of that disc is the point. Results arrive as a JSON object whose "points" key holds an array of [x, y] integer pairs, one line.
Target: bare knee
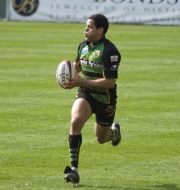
{"points": [[76, 126], [103, 134]]}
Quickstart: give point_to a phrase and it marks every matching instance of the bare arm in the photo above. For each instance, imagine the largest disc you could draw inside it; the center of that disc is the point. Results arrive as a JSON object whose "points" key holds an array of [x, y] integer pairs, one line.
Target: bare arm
{"points": [[99, 83]]}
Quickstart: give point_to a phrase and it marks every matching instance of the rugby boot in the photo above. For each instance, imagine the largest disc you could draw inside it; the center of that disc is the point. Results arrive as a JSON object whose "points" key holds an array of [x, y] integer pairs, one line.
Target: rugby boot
{"points": [[71, 176], [117, 137]]}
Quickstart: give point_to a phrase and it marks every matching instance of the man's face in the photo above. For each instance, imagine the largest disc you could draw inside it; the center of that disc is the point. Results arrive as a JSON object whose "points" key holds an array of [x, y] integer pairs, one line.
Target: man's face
{"points": [[91, 33]]}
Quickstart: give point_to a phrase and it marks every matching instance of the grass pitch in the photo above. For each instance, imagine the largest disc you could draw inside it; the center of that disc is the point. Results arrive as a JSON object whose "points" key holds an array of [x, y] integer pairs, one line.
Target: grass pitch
{"points": [[35, 111]]}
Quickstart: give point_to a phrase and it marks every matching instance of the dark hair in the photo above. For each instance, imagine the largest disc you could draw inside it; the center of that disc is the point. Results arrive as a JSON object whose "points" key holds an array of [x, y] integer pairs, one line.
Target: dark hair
{"points": [[100, 21]]}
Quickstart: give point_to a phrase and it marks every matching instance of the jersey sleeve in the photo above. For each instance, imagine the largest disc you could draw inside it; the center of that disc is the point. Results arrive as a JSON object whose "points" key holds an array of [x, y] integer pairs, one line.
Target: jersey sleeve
{"points": [[111, 62], [78, 53]]}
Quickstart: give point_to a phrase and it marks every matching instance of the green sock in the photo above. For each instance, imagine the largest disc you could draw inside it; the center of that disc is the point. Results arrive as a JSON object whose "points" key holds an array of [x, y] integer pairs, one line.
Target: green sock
{"points": [[74, 149]]}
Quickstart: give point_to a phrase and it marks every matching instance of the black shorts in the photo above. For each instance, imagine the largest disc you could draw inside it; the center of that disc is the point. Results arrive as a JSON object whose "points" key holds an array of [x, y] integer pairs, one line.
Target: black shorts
{"points": [[104, 112]]}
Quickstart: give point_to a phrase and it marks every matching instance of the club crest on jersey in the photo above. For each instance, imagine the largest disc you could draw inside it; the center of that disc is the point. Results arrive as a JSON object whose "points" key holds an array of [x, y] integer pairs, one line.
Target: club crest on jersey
{"points": [[110, 109], [97, 53], [114, 58]]}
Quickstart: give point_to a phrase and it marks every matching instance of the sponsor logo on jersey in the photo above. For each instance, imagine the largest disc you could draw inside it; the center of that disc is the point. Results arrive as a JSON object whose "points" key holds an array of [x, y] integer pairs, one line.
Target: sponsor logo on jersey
{"points": [[97, 53], [114, 58], [84, 50], [92, 64], [114, 67]]}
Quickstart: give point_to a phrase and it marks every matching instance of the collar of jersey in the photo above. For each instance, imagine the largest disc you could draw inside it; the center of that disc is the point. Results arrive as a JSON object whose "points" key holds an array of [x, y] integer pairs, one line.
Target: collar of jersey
{"points": [[98, 42]]}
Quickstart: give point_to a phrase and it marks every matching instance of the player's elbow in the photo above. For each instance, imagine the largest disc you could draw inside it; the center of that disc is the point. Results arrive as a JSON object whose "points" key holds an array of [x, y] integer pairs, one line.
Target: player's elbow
{"points": [[111, 86], [111, 83]]}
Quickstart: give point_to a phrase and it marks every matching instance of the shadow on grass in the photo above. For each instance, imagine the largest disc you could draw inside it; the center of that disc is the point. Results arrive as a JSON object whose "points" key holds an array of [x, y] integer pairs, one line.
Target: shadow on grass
{"points": [[98, 186], [167, 187], [105, 187], [164, 187]]}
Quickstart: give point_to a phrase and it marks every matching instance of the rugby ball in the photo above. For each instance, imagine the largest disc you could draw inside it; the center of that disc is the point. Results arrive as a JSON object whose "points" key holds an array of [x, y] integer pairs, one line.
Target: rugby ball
{"points": [[65, 69]]}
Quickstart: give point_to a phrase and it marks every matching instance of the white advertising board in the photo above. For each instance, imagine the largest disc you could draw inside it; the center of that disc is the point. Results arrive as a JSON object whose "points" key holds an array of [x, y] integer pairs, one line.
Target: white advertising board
{"points": [[161, 12]]}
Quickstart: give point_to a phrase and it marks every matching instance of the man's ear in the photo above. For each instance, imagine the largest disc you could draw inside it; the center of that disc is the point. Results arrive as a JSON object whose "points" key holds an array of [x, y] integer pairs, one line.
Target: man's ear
{"points": [[101, 30]]}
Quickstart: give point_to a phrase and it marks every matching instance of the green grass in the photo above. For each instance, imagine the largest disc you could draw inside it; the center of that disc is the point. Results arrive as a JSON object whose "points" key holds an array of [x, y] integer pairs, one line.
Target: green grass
{"points": [[35, 111]]}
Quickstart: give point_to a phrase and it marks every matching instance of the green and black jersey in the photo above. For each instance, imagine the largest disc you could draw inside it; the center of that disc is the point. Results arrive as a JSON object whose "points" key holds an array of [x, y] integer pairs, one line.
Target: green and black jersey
{"points": [[99, 60]]}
